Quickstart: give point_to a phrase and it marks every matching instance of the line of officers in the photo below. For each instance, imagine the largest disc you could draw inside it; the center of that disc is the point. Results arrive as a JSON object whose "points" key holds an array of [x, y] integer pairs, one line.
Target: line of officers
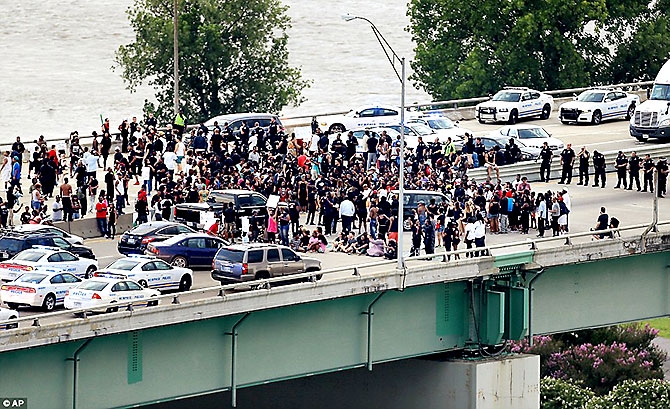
{"points": [[628, 169]]}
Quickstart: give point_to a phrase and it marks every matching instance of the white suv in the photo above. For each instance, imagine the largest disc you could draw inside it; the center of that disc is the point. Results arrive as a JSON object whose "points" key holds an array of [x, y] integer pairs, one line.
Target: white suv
{"points": [[599, 104], [512, 103]]}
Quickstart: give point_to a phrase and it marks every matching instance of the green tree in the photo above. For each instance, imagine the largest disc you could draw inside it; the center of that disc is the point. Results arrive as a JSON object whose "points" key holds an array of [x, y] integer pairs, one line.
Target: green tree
{"points": [[232, 56], [465, 48]]}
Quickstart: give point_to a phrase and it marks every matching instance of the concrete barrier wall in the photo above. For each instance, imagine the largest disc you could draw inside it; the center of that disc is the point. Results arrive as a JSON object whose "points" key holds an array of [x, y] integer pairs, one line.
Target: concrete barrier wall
{"points": [[88, 228]]}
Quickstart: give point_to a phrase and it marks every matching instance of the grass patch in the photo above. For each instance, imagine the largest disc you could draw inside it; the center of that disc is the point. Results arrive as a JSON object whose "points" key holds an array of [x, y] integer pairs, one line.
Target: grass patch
{"points": [[661, 324]]}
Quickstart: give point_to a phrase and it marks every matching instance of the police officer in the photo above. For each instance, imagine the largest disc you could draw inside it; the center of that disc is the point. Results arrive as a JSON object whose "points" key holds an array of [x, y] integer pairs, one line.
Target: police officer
{"points": [[620, 164], [634, 163], [545, 167], [648, 173], [567, 162], [584, 157], [662, 169], [599, 168]]}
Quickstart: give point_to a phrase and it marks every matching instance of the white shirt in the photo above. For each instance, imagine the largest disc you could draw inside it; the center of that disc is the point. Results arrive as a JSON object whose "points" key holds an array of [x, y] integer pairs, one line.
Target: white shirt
{"points": [[180, 149], [57, 211], [480, 229], [170, 160], [347, 208], [314, 143], [470, 231], [567, 201], [91, 162]]}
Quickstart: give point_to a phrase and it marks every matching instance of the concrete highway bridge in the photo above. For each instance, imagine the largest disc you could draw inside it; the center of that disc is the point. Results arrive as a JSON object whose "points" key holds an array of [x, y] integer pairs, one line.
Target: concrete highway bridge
{"points": [[217, 340]]}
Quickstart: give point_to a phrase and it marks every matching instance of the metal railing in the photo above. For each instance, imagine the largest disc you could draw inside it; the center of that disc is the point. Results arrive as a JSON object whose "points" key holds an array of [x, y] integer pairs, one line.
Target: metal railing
{"points": [[265, 285]]}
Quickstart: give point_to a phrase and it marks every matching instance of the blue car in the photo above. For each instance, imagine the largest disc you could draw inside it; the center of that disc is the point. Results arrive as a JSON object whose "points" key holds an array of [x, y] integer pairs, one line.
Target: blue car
{"points": [[187, 250]]}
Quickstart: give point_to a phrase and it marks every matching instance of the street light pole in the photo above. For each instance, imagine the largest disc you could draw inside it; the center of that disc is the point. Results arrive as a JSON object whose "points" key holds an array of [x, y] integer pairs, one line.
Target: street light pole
{"points": [[175, 36], [392, 58]]}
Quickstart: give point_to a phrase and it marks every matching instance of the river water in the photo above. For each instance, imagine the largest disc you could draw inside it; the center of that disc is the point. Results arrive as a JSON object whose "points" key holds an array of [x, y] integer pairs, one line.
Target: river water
{"points": [[56, 72]]}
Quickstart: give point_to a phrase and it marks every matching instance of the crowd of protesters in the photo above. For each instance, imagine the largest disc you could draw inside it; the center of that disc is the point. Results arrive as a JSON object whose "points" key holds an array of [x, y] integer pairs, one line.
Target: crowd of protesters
{"points": [[339, 196]]}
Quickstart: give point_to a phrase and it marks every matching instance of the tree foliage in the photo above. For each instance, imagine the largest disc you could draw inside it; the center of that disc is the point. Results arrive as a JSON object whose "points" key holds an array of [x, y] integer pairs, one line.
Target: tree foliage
{"points": [[232, 56], [466, 48]]}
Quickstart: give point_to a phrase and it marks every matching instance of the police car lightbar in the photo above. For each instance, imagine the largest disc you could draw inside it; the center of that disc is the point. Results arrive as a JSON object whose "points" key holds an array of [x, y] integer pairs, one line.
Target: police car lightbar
{"points": [[43, 247], [109, 274], [516, 88], [142, 256]]}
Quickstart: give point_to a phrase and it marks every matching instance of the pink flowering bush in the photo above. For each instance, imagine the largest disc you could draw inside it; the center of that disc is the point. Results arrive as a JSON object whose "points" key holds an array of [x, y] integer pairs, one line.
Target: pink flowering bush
{"points": [[599, 359]]}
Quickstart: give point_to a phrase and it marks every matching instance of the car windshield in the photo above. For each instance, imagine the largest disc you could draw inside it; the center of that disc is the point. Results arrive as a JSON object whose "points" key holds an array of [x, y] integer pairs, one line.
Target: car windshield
{"points": [[661, 92], [250, 201], [33, 278], [126, 265], [11, 245], [422, 129], [29, 255], [230, 255], [440, 123], [507, 96], [93, 285], [532, 133], [591, 97], [143, 229]]}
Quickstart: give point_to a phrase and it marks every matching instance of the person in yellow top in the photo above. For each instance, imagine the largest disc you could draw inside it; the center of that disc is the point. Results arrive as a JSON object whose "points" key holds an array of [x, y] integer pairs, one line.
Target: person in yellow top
{"points": [[179, 123]]}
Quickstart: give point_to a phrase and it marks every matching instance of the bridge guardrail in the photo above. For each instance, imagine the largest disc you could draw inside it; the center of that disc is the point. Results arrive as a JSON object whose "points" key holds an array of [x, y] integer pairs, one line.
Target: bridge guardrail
{"points": [[266, 284]]}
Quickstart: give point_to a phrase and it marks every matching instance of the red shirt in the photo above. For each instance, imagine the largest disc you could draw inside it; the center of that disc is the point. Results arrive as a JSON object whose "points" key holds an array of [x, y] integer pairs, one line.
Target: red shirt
{"points": [[101, 210]]}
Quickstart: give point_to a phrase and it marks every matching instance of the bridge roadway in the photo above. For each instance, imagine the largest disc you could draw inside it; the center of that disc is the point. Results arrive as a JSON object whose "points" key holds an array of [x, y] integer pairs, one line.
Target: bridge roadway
{"points": [[630, 207]]}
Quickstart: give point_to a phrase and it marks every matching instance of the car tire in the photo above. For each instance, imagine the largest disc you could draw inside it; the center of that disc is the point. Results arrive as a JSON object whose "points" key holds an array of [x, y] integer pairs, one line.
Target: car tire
{"points": [[335, 128], [641, 139], [14, 325], [185, 283], [565, 122], [315, 277], [180, 261], [12, 306], [152, 303], [49, 302], [513, 117], [112, 309], [407, 224], [89, 272], [630, 112], [143, 283], [262, 275], [596, 118], [546, 112]]}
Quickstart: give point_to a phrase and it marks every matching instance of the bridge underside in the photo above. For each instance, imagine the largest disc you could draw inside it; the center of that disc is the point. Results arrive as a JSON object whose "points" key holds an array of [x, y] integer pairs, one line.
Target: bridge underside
{"points": [[200, 357]]}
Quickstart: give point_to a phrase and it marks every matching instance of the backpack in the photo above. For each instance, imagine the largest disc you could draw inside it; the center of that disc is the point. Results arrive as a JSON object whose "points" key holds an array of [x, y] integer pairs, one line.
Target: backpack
{"points": [[563, 208]]}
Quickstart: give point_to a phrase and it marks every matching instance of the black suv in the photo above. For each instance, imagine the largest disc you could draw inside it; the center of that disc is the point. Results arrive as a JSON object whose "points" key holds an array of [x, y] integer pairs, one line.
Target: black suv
{"points": [[13, 243], [135, 241]]}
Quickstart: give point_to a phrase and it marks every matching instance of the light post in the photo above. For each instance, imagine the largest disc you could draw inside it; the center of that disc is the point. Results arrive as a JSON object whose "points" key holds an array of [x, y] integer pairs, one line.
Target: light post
{"points": [[175, 50], [392, 58]]}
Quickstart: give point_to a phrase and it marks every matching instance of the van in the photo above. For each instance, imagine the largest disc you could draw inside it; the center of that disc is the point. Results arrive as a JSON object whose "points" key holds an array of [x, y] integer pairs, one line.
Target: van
{"points": [[652, 118], [411, 201]]}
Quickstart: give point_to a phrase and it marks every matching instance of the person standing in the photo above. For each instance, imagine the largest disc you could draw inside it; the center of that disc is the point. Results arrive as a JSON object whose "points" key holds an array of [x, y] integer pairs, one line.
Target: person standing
{"points": [[599, 169], [541, 213], [584, 157], [66, 195], [429, 236], [662, 169], [371, 145], [101, 215], [648, 173], [555, 214], [567, 163], [621, 164], [18, 148], [480, 234], [545, 166], [634, 164]]}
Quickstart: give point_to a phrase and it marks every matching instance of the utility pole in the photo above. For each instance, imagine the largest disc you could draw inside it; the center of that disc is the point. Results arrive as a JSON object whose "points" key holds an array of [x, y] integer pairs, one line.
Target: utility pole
{"points": [[176, 57]]}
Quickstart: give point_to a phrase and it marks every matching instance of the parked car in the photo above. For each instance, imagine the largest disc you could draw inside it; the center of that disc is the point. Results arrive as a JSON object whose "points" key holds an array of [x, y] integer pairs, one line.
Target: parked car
{"points": [[246, 203], [513, 103], [441, 125], [150, 272], [411, 201], [46, 229], [527, 152], [7, 314], [530, 135], [135, 240], [43, 256], [109, 290], [245, 262], [187, 250], [235, 121], [365, 116], [14, 242], [44, 287], [599, 104]]}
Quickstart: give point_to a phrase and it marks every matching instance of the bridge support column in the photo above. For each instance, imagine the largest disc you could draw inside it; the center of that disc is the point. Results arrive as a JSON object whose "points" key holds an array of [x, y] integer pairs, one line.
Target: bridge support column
{"points": [[233, 360]]}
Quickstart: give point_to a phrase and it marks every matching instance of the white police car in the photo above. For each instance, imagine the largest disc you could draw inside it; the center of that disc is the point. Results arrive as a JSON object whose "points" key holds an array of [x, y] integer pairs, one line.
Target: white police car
{"points": [[109, 289], [7, 314], [150, 272], [441, 125], [597, 105], [365, 116], [512, 103], [54, 257], [43, 287]]}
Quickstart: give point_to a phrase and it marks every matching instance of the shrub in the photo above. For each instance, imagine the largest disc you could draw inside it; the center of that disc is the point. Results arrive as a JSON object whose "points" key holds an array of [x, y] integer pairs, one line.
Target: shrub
{"points": [[649, 394], [562, 394]]}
